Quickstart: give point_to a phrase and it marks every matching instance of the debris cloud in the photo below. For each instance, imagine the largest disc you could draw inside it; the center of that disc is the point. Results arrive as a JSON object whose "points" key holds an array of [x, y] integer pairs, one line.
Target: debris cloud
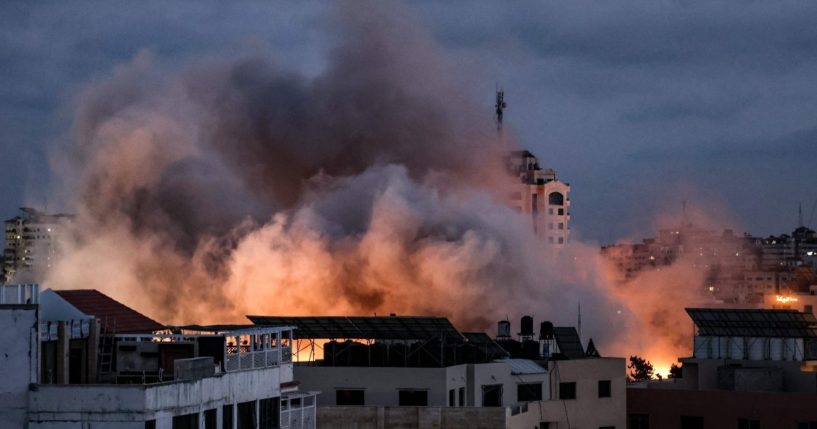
{"points": [[240, 186]]}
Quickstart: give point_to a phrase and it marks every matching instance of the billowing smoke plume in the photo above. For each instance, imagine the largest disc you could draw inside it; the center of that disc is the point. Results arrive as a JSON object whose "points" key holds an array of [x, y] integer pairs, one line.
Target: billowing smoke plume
{"points": [[240, 186]]}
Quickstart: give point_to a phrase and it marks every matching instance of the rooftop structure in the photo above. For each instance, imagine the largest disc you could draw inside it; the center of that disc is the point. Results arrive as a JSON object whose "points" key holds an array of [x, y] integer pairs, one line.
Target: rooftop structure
{"points": [[116, 316], [78, 370], [753, 323], [366, 327], [404, 370], [749, 368]]}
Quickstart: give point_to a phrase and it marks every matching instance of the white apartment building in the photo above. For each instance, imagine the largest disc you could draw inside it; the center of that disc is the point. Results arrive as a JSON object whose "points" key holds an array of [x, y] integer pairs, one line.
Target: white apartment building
{"points": [[90, 372], [542, 195]]}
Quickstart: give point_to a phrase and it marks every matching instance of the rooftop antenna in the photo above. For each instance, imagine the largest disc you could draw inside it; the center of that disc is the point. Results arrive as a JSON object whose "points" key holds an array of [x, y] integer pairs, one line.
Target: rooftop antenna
{"points": [[580, 320], [799, 214], [500, 108]]}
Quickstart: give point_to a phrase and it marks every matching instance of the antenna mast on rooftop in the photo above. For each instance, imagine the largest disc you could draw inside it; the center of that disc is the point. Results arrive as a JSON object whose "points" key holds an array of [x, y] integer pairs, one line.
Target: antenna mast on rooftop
{"points": [[799, 215], [580, 320], [500, 109]]}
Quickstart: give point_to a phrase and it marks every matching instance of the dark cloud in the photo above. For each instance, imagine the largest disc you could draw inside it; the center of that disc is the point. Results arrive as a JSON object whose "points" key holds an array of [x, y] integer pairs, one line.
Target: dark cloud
{"points": [[597, 89]]}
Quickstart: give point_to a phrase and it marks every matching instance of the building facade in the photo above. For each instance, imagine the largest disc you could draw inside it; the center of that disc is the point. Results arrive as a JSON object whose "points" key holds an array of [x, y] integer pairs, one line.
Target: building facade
{"points": [[32, 243], [415, 372], [750, 368], [67, 368], [539, 193]]}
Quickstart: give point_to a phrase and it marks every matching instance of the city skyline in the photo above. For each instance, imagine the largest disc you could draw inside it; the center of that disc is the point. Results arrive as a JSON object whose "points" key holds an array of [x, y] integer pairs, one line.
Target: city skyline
{"points": [[639, 107]]}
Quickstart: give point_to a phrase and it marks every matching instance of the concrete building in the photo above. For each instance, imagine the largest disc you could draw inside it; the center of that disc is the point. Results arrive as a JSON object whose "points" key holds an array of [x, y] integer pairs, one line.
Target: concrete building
{"points": [[32, 243], [750, 368], [735, 269], [112, 369], [540, 194], [414, 372]]}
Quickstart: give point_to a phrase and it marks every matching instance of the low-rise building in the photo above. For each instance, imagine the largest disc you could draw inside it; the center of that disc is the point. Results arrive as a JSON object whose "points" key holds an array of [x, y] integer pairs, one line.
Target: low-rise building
{"points": [[750, 368], [79, 359], [421, 372]]}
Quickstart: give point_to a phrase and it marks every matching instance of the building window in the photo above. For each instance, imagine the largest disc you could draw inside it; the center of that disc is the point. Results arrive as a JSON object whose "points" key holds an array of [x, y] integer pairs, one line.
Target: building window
{"points": [[604, 388], [246, 415], [268, 410], [561, 212], [187, 421], [349, 397], [492, 395], [534, 203], [692, 422], [556, 199], [748, 424], [638, 421], [413, 398], [561, 240], [561, 225], [210, 417], [462, 397], [452, 397], [529, 392], [567, 390], [150, 424], [227, 417]]}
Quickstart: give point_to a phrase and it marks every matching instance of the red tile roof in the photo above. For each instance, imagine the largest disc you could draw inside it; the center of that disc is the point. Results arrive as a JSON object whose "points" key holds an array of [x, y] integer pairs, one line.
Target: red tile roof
{"points": [[116, 316]]}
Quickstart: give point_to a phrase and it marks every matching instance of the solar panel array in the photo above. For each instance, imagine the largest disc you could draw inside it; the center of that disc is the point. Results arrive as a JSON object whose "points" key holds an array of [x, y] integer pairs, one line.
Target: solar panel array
{"points": [[753, 323], [485, 342], [567, 339], [365, 327]]}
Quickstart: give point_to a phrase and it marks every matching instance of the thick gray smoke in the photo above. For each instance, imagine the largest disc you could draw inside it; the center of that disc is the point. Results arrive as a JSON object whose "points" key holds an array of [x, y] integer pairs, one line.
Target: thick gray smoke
{"points": [[239, 186]]}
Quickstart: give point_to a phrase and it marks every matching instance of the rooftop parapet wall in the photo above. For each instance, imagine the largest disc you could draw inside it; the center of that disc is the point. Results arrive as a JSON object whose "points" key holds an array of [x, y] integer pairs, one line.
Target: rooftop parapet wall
{"points": [[370, 417], [112, 403]]}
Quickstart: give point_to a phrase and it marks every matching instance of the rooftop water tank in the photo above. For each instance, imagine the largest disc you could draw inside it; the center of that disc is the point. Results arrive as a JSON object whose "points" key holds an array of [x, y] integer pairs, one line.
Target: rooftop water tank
{"points": [[546, 331], [503, 329], [527, 326]]}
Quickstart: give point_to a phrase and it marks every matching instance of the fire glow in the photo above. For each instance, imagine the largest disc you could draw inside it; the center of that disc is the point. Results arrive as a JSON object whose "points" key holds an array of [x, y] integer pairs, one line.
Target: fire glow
{"points": [[783, 299], [352, 210]]}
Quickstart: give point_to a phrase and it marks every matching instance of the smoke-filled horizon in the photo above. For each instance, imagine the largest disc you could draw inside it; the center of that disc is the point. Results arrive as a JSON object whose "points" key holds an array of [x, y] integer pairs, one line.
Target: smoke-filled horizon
{"points": [[240, 186]]}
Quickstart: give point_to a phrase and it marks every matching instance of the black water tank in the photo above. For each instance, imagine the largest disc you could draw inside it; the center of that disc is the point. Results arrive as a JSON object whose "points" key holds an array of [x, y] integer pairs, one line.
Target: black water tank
{"points": [[530, 349], [546, 331], [527, 326]]}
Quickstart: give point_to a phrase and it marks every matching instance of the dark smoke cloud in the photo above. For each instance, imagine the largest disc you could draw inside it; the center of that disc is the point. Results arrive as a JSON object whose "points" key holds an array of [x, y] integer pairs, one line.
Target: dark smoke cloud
{"points": [[185, 164], [239, 186]]}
